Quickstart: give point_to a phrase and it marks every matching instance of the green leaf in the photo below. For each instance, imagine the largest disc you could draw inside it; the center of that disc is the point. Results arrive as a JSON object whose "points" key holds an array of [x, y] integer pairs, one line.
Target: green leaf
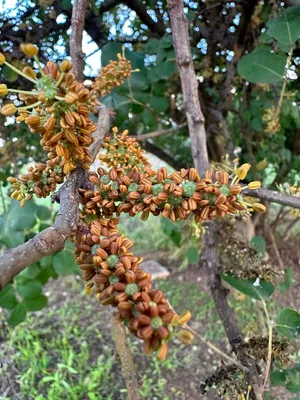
{"points": [[259, 244], [166, 69], [35, 304], [159, 103], [29, 289], [46, 261], [16, 221], [64, 263], [9, 74], [43, 213], [286, 27], [166, 42], [254, 288], [288, 323], [17, 315], [8, 297], [262, 66], [152, 46], [30, 272], [288, 280], [172, 230], [293, 385], [193, 255], [149, 119], [278, 378]]}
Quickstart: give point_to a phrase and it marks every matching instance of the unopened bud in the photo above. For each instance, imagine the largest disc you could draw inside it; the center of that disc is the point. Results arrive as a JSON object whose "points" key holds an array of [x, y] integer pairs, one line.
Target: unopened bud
{"points": [[184, 318], [8, 109], [2, 59], [259, 207], [29, 49], [65, 66], [71, 97], [30, 72], [242, 171], [162, 352], [185, 336], [254, 185], [3, 90]]}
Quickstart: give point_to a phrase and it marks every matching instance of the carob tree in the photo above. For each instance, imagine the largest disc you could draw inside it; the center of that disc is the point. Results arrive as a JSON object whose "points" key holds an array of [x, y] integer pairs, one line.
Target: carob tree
{"points": [[60, 110]]}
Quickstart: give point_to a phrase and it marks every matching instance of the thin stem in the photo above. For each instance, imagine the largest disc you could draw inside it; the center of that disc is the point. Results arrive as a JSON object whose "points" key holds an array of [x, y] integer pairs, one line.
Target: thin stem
{"points": [[20, 72], [269, 358], [61, 77], [2, 199], [216, 349], [24, 91], [30, 106], [36, 59], [60, 98], [278, 108]]}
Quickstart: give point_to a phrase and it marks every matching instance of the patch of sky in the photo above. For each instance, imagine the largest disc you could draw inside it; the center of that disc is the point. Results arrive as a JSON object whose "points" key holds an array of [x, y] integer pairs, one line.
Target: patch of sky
{"points": [[202, 45]]}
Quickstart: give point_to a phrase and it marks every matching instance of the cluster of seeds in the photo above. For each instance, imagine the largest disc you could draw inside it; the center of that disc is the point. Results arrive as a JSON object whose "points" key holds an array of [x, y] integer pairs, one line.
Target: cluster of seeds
{"points": [[175, 196], [228, 382], [40, 180], [58, 109], [112, 75], [107, 264], [241, 260], [257, 348], [123, 152]]}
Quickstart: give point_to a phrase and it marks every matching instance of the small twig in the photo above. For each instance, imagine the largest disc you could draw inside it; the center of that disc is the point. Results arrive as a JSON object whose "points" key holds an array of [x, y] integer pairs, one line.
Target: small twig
{"points": [[216, 349], [127, 363], [278, 108], [269, 358], [273, 196], [157, 133], [274, 244], [276, 220], [288, 229]]}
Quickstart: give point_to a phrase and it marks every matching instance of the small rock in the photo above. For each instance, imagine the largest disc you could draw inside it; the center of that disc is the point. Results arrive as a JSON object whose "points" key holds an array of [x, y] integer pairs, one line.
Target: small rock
{"points": [[155, 269]]}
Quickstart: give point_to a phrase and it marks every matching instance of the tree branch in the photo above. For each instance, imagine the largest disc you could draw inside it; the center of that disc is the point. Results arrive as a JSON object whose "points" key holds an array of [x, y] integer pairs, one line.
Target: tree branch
{"points": [[275, 197], [52, 240], [141, 10], [195, 118], [197, 132], [77, 55]]}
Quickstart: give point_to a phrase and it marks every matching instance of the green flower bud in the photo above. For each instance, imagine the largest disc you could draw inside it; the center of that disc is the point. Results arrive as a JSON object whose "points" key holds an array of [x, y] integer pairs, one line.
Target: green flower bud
{"points": [[189, 188], [112, 260]]}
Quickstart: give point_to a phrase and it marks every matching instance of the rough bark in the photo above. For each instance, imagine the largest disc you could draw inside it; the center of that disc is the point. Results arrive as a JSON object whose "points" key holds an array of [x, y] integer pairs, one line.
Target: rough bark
{"points": [[77, 23], [195, 118]]}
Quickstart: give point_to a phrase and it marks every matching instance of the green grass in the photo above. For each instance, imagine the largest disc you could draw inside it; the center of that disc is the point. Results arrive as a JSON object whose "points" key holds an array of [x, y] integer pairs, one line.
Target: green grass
{"points": [[66, 351]]}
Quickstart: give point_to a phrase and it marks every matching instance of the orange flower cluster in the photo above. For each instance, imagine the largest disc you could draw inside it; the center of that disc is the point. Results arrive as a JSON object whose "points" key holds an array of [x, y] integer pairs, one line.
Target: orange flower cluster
{"points": [[174, 196], [123, 152], [61, 115], [112, 75], [107, 263], [41, 180]]}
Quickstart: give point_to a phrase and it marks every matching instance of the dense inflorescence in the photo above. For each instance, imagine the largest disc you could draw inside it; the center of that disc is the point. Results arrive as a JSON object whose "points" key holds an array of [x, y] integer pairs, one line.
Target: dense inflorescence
{"points": [[123, 151], [58, 109], [175, 196], [107, 264], [112, 75], [41, 180]]}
